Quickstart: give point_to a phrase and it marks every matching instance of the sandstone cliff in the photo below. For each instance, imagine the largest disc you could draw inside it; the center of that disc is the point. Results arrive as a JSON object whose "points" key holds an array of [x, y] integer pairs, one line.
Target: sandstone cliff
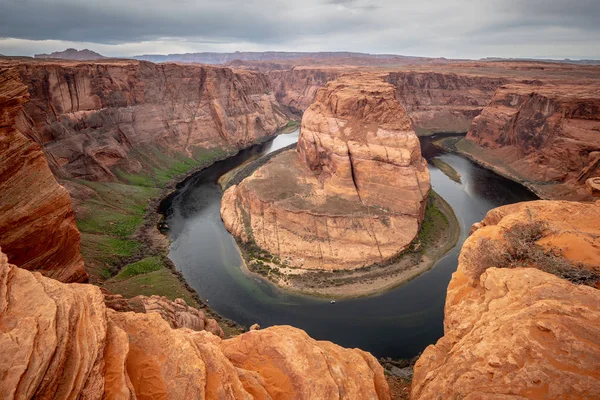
{"points": [[547, 137], [37, 225], [94, 119], [517, 331], [434, 101], [443, 102], [297, 87], [352, 195], [60, 341]]}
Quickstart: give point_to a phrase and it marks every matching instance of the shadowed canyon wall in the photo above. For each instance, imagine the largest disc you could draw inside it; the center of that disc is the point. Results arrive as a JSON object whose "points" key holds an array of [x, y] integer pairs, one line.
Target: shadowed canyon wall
{"points": [[547, 136], [37, 224], [434, 101], [96, 118]]}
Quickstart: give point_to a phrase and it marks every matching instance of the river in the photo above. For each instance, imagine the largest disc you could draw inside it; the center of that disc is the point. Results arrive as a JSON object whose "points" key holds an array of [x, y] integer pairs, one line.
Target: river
{"points": [[399, 323]]}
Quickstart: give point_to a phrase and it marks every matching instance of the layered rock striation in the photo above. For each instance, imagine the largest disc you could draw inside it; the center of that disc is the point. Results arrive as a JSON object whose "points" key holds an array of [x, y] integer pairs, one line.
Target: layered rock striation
{"points": [[521, 332], [60, 341], [546, 136], [37, 225], [436, 102], [97, 118], [352, 194], [443, 101]]}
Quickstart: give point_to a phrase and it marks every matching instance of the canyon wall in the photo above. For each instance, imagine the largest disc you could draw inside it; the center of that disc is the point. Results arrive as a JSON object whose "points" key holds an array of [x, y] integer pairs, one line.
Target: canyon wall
{"points": [[94, 119], [353, 193], [434, 101], [520, 331], [37, 224], [546, 136], [443, 102], [297, 87], [60, 341]]}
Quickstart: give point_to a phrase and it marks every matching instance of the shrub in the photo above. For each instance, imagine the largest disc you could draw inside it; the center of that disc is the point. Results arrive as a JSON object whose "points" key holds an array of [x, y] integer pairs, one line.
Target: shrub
{"points": [[522, 250]]}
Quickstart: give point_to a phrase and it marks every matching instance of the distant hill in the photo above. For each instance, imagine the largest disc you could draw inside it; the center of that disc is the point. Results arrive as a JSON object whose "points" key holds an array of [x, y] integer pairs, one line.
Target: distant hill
{"points": [[341, 57], [563, 61], [72, 54]]}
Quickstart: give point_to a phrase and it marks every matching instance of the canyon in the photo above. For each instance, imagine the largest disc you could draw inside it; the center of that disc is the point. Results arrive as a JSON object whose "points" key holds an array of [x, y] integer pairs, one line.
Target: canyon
{"points": [[357, 175], [546, 136], [99, 139]]}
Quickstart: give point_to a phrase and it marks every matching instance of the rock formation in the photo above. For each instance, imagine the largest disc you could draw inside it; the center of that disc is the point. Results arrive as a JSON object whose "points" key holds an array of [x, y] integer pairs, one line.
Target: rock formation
{"points": [[443, 102], [547, 137], [520, 332], [37, 225], [177, 313], [353, 193], [297, 87], [60, 341], [434, 101], [94, 119]]}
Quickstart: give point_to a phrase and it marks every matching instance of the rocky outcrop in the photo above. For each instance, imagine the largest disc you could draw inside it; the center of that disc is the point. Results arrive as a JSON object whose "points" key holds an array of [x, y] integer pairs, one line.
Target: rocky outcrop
{"points": [[443, 102], [60, 341], [176, 312], [520, 332], [97, 119], [547, 137], [353, 193], [37, 225]]}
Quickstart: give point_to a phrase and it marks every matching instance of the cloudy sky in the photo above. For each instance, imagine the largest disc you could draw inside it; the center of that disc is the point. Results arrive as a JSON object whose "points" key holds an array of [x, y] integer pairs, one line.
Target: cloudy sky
{"points": [[444, 28]]}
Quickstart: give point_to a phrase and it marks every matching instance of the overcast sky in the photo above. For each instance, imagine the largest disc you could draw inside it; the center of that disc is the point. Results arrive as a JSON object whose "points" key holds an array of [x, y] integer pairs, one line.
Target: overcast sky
{"points": [[440, 28]]}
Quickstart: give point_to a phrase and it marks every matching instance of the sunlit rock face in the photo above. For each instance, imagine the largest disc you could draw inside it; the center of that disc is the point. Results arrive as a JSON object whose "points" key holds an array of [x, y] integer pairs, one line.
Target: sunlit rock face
{"points": [[60, 341], [352, 194], [521, 332], [546, 136]]}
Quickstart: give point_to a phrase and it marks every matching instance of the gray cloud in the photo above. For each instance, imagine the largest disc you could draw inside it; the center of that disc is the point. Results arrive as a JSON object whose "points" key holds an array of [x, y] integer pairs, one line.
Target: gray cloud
{"points": [[453, 28]]}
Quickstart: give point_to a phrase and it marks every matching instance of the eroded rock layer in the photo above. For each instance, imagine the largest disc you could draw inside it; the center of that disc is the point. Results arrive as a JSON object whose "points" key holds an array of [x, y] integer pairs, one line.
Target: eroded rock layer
{"points": [[37, 225], [443, 102], [60, 341], [96, 118], [520, 332], [547, 137], [353, 193]]}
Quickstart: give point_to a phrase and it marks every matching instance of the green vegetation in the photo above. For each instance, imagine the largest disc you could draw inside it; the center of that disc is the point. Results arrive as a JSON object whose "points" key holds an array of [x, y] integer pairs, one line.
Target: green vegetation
{"points": [[161, 282], [110, 214], [143, 266], [434, 223], [446, 169], [160, 168], [521, 249]]}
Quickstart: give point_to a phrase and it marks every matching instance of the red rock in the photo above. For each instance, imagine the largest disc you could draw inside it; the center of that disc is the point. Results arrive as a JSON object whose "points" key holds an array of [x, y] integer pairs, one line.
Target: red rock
{"points": [[544, 136], [37, 225], [60, 341], [353, 194], [519, 332], [95, 117]]}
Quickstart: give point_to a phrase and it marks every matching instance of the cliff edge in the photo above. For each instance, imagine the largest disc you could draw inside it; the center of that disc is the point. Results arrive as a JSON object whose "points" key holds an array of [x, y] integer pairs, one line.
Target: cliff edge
{"points": [[522, 310]]}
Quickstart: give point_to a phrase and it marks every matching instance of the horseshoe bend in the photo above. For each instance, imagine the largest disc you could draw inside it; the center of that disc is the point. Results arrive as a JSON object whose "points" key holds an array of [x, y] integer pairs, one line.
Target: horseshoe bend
{"points": [[392, 203], [354, 191]]}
